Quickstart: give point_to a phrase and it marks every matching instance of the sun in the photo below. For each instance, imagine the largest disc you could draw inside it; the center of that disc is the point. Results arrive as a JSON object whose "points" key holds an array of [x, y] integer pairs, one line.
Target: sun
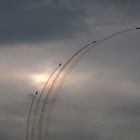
{"points": [[39, 79]]}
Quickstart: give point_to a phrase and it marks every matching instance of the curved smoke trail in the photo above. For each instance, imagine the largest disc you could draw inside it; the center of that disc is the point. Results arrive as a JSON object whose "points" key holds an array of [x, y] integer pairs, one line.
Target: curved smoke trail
{"points": [[44, 104], [29, 117], [80, 52], [38, 102]]}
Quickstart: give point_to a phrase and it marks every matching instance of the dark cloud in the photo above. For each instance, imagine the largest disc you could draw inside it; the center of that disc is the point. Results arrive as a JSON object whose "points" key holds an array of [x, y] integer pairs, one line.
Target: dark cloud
{"points": [[30, 20], [24, 23]]}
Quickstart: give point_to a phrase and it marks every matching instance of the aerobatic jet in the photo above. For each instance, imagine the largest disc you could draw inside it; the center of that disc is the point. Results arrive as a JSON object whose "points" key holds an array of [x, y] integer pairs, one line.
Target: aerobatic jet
{"points": [[60, 64], [93, 42]]}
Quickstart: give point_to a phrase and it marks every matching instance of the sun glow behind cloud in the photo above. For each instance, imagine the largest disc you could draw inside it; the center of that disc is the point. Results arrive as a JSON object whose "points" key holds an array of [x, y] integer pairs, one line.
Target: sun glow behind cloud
{"points": [[39, 79]]}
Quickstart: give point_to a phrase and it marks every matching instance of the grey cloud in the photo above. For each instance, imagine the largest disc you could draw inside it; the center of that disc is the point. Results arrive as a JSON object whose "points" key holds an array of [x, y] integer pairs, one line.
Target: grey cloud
{"points": [[46, 20], [128, 111], [50, 22], [106, 110], [74, 134], [13, 119]]}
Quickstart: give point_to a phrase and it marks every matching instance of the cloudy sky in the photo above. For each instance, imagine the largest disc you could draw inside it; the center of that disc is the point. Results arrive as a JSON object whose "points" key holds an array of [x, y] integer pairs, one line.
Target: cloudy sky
{"points": [[100, 98]]}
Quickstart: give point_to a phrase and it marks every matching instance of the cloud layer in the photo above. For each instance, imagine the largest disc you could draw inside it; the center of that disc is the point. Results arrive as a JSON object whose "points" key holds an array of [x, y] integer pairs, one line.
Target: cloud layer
{"points": [[42, 20], [100, 100]]}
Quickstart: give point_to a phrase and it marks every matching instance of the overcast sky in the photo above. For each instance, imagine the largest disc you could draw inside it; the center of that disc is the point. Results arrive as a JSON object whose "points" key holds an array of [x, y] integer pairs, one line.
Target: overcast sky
{"points": [[100, 99]]}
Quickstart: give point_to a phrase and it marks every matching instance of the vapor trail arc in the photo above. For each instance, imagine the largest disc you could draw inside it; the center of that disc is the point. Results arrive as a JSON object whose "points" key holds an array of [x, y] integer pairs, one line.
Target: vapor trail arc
{"points": [[29, 117], [38, 103], [42, 112], [79, 53]]}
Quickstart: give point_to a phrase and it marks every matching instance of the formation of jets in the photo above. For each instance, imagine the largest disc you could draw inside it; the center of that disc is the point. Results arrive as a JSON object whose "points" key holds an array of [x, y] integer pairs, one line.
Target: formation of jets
{"points": [[137, 28]]}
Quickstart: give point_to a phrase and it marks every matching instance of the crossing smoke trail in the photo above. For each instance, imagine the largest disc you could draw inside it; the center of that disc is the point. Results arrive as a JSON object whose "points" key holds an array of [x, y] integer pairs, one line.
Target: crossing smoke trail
{"points": [[38, 103], [29, 116], [61, 74]]}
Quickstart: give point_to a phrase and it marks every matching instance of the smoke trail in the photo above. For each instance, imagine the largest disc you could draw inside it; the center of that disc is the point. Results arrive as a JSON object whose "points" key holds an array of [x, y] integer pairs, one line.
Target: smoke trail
{"points": [[29, 117], [42, 115], [80, 52], [38, 102]]}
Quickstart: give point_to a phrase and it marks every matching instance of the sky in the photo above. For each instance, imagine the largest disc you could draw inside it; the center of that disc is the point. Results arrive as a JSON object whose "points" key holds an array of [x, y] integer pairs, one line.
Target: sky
{"points": [[100, 98]]}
